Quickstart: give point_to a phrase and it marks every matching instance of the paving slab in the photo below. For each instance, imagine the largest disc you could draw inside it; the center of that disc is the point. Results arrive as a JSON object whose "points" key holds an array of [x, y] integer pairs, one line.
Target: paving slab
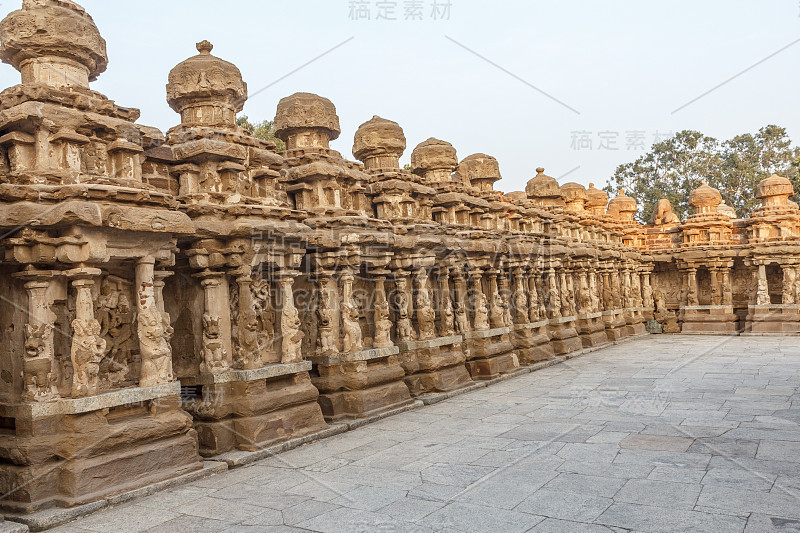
{"points": [[659, 434]]}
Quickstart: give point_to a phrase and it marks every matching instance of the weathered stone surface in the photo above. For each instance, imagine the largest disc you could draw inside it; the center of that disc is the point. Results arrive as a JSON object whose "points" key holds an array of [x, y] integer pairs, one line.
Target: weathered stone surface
{"points": [[200, 292], [593, 445]]}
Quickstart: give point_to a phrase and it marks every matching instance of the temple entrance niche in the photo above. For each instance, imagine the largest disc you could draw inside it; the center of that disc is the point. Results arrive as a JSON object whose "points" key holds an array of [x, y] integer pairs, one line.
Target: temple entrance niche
{"points": [[775, 283], [182, 297], [704, 288], [744, 288], [668, 281], [115, 310]]}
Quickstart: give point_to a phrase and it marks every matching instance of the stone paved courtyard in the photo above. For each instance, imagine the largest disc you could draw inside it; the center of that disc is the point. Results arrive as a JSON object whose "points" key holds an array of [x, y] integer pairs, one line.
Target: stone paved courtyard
{"points": [[664, 433]]}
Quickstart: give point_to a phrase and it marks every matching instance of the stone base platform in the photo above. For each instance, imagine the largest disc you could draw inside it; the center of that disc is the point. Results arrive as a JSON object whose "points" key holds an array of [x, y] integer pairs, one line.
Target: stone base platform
{"points": [[435, 365], [532, 343], [616, 326], [634, 321], [250, 409], [709, 319], [781, 319], [359, 384], [75, 451], [491, 353], [564, 335], [592, 330]]}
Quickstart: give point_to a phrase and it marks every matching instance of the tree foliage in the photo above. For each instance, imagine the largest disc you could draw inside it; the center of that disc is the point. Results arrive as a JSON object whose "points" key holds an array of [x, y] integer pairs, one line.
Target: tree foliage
{"points": [[674, 167], [263, 130]]}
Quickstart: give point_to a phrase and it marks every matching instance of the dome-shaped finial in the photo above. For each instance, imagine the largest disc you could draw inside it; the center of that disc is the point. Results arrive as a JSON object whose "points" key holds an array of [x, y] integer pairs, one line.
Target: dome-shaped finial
{"points": [[54, 42], [204, 47], [306, 120], [434, 160], [480, 171], [544, 190], [379, 143], [206, 90], [705, 199]]}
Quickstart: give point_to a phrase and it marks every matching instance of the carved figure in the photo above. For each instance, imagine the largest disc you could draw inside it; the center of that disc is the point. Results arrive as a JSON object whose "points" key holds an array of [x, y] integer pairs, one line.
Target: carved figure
{"points": [[383, 326], [553, 298], [426, 317], [214, 353], [481, 312], [404, 330], [247, 350], [447, 317], [662, 214], [292, 336], [39, 379], [461, 319], [156, 352], [326, 342], [353, 341], [87, 351], [496, 311]]}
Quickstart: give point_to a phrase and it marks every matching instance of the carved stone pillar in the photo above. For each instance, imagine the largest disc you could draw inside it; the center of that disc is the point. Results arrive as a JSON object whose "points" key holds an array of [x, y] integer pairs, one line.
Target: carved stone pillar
{"points": [[446, 313], [216, 352], [403, 308], [426, 317], [88, 347], [291, 333], [520, 297], [382, 337], [594, 290], [566, 295], [247, 353], [461, 318], [158, 286], [505, 298], [584, 297], [789, 282], [617, 291], [716, 289], [496, 318], [534, 302], [608, 292], [647, 291], [327, 317], [762, 293], [727, 287], [153, 328], [479, 303], [38, 375], [691, 287], [553, 295], [636, 281], [627, 291], [352, 340]]}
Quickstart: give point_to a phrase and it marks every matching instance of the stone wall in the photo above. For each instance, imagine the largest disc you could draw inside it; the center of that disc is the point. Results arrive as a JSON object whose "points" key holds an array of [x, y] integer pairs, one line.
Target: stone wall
{"points": [[171, 296]]}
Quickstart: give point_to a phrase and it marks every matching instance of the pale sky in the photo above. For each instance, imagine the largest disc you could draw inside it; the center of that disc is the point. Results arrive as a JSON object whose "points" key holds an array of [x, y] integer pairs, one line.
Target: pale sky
{"points": [[611, 69]]}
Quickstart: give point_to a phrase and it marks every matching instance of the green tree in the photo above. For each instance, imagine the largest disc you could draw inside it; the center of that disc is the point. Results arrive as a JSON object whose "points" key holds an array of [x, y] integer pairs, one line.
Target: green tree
{"points": [[263, 130], [669, 170], [747, 159], [672, 168]]}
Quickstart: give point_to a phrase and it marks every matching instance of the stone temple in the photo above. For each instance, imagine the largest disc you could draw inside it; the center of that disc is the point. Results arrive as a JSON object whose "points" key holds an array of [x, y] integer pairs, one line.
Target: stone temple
{"points": [[166, 298]]}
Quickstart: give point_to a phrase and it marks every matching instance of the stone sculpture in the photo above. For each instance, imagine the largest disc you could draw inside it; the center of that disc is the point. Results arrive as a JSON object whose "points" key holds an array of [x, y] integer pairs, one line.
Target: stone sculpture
{"points": [[181, 255], [291, 333], [87, 351], [214, 354]]}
